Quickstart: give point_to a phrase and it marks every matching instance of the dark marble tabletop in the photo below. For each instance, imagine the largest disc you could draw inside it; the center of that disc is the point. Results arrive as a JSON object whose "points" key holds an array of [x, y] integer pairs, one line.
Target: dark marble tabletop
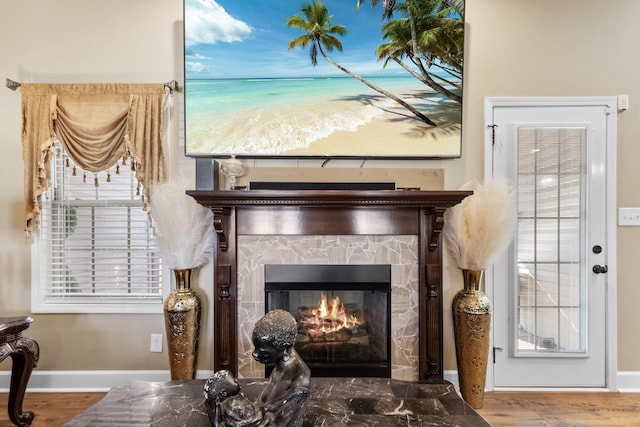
{"points": [[369, 402]]}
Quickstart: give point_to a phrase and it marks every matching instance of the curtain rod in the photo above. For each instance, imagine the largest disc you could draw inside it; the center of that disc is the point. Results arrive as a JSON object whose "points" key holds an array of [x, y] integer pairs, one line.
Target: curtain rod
{"points": [[172, 85]]}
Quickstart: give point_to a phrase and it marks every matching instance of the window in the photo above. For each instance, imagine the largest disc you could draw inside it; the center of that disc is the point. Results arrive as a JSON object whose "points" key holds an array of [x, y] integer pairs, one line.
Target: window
{"points": [[95, 251], [551, 229]]}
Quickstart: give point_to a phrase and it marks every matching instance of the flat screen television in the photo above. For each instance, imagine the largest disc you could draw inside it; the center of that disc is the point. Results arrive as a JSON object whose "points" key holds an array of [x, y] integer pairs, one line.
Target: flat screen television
{"points": [[289, 78]]}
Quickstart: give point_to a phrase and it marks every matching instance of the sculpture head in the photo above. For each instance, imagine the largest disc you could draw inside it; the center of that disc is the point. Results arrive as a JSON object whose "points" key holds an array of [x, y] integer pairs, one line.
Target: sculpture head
{"points": [[273, 335], [221, 386]]}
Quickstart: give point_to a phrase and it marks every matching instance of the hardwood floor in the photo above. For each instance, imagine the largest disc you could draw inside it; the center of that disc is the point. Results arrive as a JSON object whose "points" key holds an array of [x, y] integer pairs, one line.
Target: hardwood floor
{"points": [[501, 409], [541, 409], [51, 409]]}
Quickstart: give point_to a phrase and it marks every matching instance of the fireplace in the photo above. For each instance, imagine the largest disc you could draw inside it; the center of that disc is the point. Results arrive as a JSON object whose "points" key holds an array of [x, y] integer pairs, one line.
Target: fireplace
{"points": [[294, 214], [343, 314]]}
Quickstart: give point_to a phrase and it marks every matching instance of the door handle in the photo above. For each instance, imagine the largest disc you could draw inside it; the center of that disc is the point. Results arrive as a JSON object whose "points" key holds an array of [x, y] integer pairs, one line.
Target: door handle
{"points": [[600, 269]]}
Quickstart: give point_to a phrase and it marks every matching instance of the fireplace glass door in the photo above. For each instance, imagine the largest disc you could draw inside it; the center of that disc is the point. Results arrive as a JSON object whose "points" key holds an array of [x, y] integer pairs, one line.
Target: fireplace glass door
{"points": [[343, 314]]}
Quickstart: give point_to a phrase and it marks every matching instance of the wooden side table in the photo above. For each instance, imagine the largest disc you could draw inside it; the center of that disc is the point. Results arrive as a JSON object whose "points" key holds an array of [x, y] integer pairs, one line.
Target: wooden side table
{"points": [[24, 353]]}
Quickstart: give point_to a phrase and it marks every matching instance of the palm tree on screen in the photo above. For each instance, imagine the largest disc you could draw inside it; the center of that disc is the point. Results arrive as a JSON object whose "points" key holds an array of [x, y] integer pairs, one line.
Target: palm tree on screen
{"points": [[430, 37], [387, 7], [320, 35], [440, 48]]}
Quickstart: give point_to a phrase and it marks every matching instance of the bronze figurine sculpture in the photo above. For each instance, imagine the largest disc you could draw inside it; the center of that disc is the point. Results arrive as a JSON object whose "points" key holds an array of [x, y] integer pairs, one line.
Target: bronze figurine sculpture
{"points": [[282, 402]]}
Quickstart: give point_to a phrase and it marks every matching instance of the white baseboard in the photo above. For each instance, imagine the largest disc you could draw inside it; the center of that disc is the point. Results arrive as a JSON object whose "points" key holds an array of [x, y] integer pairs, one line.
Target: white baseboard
{"points": [[452, 377], [87, 381], [628, 381], [102, 381]]}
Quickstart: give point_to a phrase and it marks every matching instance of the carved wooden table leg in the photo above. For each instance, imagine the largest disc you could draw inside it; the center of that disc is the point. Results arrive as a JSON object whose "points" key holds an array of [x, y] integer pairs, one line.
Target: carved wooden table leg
{"points": [[24, 353]]}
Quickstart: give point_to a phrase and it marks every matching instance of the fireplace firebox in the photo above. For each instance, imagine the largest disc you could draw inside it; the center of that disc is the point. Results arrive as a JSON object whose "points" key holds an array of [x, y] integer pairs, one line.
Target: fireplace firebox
{"points": [[343, 314]]}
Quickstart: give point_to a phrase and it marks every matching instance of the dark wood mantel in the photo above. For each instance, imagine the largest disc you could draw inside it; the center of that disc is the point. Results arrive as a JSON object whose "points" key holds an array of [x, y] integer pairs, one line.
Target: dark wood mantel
{"points": [[329, 212]]}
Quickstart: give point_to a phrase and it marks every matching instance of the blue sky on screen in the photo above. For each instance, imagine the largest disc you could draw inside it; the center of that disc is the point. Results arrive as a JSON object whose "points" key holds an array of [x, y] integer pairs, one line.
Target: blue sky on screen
{"points": [[249, 38]]}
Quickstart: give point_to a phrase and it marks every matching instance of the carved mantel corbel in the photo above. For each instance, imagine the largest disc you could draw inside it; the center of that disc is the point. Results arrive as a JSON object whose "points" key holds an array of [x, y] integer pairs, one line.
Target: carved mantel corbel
{"points": [[437, 223], [220, 226]]}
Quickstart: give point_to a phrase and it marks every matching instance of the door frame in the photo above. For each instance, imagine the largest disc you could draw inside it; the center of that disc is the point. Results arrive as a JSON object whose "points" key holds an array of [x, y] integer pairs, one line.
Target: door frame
{"points": [[611, 329]]}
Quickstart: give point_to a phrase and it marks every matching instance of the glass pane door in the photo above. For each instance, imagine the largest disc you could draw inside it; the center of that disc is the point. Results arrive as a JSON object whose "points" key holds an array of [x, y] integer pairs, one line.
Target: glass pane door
{"points": [[549, 312]]}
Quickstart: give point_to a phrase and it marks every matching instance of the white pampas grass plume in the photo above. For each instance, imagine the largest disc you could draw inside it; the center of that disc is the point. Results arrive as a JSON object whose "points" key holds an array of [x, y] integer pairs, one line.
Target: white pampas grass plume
{"points": [[481, 226], [185, 228]]}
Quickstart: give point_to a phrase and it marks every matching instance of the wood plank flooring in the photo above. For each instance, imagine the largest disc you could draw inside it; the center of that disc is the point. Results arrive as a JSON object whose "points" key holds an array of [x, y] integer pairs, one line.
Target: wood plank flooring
{"points": [[541, 409], [51, 409], [501, 409]]}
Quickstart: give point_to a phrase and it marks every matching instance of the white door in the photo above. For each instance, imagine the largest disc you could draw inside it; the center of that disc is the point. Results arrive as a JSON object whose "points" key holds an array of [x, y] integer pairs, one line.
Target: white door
{"points": [[550, 288]]}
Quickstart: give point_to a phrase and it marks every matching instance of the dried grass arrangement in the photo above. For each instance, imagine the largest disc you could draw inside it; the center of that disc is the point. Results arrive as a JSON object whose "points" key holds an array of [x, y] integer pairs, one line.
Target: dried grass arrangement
{"points": [[185, 228], [481, 226]]}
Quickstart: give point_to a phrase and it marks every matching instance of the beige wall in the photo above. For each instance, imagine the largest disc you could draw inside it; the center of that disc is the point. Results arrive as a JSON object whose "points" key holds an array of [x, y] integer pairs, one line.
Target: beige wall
{"points": [[514, 48]]}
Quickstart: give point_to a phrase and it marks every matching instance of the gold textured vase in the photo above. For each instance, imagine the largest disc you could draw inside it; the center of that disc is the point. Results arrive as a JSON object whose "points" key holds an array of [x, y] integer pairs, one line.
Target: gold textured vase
{"points": [[471, 323], [182, 321]]}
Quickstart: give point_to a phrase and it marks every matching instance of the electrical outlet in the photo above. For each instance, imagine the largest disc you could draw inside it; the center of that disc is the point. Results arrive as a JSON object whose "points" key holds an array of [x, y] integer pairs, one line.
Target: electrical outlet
{"points": [[156, 343]]}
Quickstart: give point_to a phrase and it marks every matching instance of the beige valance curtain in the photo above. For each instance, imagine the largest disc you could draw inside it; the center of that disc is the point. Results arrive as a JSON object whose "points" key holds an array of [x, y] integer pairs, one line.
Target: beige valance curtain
{"points": [[97, 124]]}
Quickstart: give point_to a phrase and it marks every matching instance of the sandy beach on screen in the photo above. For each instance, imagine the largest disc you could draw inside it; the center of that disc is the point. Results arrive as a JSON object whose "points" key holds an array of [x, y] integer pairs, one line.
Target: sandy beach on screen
{"points": [[355, 125], [398, 132]]}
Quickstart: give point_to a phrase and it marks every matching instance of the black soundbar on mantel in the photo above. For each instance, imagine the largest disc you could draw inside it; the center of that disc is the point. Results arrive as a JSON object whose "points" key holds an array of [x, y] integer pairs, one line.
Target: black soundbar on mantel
{"points": [[363, 186]]}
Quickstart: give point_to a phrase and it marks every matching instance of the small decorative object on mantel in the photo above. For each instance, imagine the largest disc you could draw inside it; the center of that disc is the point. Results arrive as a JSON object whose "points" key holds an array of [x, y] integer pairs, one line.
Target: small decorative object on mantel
{"points": [[283, 401], [185, 239], [232, 168], [475, 232]]}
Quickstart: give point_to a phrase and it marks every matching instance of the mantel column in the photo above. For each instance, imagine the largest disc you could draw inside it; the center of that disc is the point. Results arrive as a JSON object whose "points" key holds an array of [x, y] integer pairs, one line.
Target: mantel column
{"points": [[431, 310], [225, 308]]}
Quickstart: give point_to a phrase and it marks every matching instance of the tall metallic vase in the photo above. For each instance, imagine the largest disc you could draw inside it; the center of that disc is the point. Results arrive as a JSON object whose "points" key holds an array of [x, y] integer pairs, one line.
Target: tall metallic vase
{"points": [[182, 321], [471, 323]]}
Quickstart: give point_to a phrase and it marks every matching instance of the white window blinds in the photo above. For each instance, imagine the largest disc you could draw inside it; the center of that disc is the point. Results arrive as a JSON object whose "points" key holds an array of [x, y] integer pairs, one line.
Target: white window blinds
{"points": [[97, 247], [551, 235]]}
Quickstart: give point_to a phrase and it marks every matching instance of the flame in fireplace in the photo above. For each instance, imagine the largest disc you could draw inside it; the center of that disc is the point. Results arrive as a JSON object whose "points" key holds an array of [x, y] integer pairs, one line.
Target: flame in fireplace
{"points": [[330, 317]]}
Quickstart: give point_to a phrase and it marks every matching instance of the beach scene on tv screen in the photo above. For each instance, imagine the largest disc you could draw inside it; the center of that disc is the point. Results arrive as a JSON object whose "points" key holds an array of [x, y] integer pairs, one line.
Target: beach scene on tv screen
{"points": [[323, 78]]}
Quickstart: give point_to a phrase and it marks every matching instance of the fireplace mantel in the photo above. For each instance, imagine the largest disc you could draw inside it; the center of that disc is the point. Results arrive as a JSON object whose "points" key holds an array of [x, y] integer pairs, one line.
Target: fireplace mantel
{"points": [[329, 212]]}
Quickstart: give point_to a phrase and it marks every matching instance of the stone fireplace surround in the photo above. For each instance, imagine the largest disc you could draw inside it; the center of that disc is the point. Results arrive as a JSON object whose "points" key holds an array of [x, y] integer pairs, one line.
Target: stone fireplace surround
{"points": [[304, 218], [401, 252]]}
